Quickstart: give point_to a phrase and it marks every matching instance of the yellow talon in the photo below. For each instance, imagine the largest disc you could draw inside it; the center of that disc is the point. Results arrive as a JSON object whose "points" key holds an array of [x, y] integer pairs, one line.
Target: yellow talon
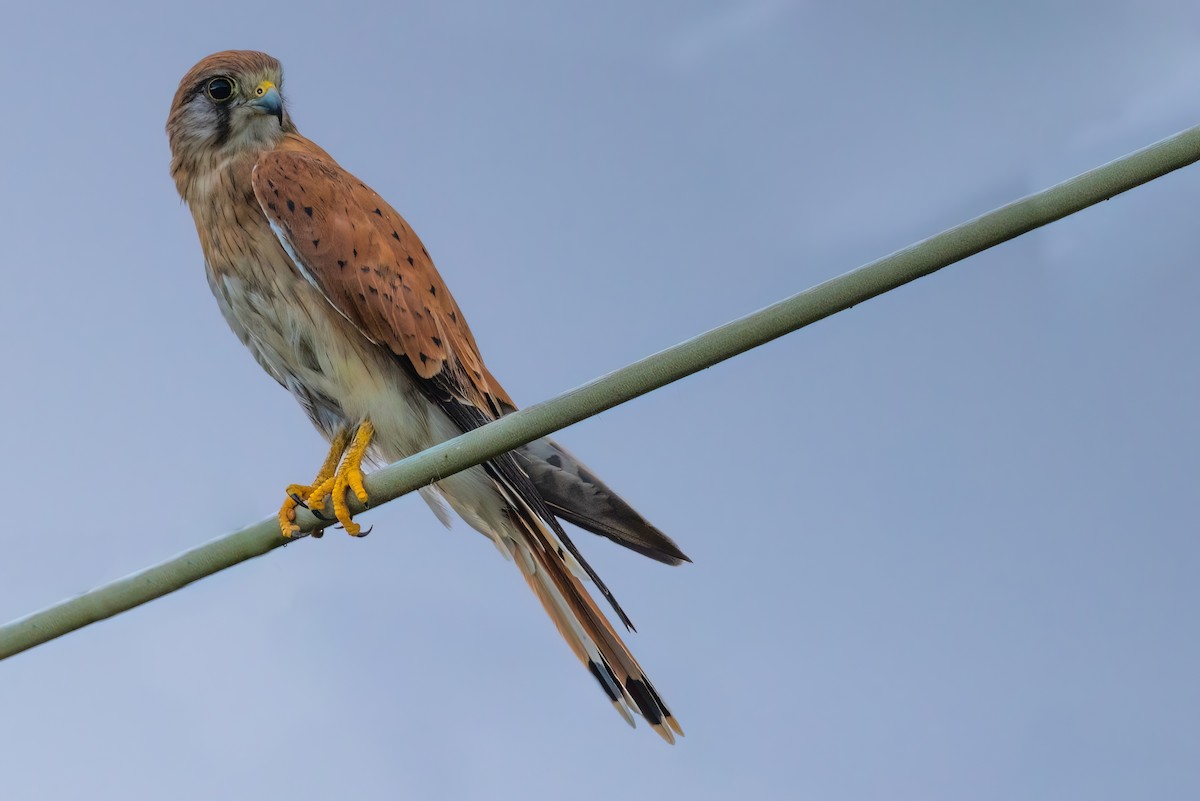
{"points": [[287, 519], [334, 481], [314, 497], [300, 493]]}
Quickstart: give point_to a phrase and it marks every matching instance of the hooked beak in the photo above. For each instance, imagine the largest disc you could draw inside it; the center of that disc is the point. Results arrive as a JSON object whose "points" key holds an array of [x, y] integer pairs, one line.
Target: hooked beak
{"points": [[267, 100]]}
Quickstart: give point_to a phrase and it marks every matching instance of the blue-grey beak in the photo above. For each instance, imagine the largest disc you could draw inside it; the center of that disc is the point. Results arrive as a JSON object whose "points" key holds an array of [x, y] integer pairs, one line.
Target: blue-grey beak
{"points": [[268, 101]]}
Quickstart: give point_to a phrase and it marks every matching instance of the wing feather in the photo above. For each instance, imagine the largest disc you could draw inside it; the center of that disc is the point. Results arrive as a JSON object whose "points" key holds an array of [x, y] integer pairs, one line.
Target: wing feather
{"points": [[370, 264], [363, 256]]}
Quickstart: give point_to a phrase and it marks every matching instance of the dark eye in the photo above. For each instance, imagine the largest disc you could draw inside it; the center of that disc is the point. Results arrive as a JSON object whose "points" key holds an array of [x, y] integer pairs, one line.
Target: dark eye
{"points": [[220, 89]]}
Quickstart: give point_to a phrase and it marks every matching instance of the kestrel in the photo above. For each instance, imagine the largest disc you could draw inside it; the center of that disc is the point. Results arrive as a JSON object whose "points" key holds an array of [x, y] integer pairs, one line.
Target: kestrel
{"points": [[338, 300]]}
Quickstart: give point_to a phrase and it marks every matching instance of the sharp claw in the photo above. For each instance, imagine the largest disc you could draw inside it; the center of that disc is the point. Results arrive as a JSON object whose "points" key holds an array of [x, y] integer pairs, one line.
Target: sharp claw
{"points": [[315, 512], [365, 531]]}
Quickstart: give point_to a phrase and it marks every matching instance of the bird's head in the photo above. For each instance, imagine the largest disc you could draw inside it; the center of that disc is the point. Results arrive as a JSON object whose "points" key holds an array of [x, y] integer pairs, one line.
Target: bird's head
{"points": [[227, 105]]}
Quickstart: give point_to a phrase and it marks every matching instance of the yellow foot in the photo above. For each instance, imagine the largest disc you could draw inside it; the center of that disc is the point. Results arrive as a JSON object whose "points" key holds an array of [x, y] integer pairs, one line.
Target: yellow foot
{"points": [[298, 494], [334, 481]]}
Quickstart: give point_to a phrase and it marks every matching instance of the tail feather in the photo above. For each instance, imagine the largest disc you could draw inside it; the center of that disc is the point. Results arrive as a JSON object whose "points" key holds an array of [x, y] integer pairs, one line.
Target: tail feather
{"points": [[550, 562], [559, 611], [581, 623]]}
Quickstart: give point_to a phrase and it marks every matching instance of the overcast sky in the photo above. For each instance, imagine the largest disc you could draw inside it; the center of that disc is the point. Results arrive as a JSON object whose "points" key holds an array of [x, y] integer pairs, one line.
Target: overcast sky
{"points": [[945, 543]]}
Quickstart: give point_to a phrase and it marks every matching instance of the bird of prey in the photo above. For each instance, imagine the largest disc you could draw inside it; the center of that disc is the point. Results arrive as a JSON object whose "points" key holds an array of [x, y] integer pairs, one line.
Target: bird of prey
{"points": [[338, 300]]}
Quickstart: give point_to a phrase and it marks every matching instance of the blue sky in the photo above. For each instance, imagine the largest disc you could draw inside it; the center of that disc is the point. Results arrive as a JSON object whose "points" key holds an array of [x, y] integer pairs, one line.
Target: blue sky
{"points": [[945, 542]]}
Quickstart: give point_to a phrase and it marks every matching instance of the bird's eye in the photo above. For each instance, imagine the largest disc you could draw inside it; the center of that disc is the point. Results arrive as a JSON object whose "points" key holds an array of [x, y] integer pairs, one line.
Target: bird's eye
{"points": [[220, 89]]}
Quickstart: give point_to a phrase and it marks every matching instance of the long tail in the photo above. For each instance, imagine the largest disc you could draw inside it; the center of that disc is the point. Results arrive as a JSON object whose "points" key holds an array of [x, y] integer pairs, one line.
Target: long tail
{"points": [[554, 575], [555, 569]]}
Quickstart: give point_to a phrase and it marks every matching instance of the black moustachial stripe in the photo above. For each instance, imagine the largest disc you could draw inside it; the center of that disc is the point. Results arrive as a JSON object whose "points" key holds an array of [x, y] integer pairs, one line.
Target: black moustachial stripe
{"points": [[224, 124], [224, 121]]}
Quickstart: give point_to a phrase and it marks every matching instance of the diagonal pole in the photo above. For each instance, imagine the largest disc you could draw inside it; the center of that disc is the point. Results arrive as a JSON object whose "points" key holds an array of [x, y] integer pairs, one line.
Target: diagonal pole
{"points": [[629, 382]]}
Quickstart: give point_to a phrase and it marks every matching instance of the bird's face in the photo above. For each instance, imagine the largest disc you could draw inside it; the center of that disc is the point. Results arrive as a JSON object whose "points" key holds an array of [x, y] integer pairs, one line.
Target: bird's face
{"points": [[230, 103]]}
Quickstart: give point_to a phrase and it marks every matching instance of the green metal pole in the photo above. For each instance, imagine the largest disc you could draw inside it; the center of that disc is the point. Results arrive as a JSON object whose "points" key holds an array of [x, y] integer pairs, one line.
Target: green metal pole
{"points": [[627, 383]]}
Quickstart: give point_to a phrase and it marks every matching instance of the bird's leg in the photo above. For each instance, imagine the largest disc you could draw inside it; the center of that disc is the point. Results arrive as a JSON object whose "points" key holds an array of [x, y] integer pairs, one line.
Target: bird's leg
{"points": [[297, 494], [348, 477]]}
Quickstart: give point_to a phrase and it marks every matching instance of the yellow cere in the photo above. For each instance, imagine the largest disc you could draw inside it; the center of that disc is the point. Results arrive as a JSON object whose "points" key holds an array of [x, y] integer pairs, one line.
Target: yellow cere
{"points": [[263, 88]]}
